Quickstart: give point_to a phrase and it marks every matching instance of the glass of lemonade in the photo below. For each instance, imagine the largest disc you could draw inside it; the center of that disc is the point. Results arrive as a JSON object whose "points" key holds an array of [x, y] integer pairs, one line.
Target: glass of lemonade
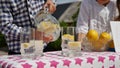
{"points": [[31, 43], [74, 48], [70, 47]]}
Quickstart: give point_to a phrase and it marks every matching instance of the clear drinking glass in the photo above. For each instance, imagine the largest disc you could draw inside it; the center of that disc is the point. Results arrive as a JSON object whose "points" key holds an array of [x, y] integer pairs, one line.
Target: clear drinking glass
{"points": [[70, 47], [31, 43], [74, 48], [67, 34]]}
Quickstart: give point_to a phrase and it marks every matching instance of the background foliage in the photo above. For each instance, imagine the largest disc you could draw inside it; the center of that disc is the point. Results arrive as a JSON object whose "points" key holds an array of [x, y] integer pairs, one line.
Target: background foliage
{"points": [[2, 41]]}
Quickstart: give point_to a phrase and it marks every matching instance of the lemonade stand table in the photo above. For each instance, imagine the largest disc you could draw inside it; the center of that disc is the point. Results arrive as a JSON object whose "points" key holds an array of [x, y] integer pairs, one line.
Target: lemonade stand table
{"points": [[55, 60]]}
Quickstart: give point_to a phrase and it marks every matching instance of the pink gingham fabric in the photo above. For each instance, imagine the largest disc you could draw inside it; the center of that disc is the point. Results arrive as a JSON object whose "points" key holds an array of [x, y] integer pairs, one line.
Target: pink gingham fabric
{"points": [[56, 60]]}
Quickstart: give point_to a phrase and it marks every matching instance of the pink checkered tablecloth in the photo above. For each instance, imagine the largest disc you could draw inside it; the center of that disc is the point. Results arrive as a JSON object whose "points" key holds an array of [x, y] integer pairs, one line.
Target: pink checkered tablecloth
{"points": [[55, 60]]}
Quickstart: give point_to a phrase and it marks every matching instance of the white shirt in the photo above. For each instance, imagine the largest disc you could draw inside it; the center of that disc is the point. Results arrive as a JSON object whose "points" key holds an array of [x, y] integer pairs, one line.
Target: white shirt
{"points": [[92, 15]]}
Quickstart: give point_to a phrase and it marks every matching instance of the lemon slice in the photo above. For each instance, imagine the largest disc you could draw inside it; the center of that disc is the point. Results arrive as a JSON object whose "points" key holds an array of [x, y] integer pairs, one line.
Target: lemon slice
{"points": [[74, 45], [25, 45], [51, 28], [68, 37], [43, 25], [47, 27]]}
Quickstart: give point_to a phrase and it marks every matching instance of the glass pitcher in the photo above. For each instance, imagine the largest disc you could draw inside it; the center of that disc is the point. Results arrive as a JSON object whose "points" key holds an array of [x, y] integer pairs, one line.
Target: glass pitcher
{"points": [[48, 24]]}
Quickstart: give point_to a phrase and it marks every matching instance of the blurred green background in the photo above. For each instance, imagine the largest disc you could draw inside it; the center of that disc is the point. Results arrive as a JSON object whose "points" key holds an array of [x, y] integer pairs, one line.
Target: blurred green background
{"points": [[2, 41]]}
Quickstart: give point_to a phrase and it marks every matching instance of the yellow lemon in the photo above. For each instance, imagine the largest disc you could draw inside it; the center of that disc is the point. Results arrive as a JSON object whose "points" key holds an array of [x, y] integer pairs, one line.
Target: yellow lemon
{"points": [[111, 44], [98, 45], [92, 35], [105, 36]]}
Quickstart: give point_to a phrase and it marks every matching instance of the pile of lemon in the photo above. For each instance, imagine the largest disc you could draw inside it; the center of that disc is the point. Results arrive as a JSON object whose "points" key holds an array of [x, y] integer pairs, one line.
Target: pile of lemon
{"points": [[98, 41]]}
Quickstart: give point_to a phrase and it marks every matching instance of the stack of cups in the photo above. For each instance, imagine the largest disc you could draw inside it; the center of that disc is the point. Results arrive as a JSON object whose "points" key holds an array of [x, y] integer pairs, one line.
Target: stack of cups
{"points": [[70, 47]]}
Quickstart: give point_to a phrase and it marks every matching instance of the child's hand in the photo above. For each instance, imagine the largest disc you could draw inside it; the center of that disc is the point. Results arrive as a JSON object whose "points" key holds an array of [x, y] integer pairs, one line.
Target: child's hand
{"points": [[48, 39], [50, 5]]}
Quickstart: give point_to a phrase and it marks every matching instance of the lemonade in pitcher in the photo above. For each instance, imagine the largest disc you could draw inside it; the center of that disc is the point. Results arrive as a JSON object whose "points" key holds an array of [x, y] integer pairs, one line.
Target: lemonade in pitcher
{"points": [[48, 24]]}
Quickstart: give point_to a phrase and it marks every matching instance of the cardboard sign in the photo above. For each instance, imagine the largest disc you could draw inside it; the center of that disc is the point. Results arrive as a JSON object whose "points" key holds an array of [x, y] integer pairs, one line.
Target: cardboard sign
{"points": [[115, 27]]}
